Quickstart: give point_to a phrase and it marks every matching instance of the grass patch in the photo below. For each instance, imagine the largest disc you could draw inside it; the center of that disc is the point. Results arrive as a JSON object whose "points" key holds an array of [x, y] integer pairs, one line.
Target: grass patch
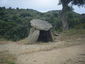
{"points": [[6, 58], [56, 46], [68, 36], [73, 34], [63, 45], [4, 41], [23, 41]]}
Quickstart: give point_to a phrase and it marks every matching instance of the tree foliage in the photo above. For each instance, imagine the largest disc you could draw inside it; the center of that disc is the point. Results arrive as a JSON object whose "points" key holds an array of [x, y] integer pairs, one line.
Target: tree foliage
{"points": [[74, 2], [15, 25], [65, 7]]}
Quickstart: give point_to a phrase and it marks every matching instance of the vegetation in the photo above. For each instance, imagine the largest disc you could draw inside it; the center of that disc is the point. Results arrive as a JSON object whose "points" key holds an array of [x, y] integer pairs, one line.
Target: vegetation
{"points": [[67, 38], [65, 7], [73, 35], [15, 23], [6, 58]]}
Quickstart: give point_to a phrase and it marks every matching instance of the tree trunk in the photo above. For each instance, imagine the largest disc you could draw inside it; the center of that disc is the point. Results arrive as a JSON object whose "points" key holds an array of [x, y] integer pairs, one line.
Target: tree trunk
{"points": [[63, 16], [64, 21]]}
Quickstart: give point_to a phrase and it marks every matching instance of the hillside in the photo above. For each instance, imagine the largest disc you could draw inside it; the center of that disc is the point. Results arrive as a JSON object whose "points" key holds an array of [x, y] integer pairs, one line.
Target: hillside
{"points": [[69, 46], [54, 11], [15, 23]]}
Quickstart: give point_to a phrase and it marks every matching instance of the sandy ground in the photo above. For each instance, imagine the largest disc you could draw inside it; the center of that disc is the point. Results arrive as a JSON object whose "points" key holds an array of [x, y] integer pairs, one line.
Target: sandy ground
{"points": [[46, 53]]}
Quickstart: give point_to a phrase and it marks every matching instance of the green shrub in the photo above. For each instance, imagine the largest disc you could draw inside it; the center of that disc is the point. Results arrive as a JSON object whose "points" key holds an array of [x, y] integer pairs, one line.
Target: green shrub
{"points": [[78, 27], [7, 58], [60, 30], [83, 26]]}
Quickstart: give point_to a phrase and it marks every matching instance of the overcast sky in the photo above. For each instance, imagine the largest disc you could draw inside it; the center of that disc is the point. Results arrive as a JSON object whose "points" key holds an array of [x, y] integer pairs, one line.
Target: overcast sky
{"points": [[39, 5]]}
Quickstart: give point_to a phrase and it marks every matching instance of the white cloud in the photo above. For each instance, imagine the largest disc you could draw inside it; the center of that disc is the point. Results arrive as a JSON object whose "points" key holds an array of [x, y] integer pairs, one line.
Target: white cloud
{"points": [[43, 5], [40, 5], [79, 9]]}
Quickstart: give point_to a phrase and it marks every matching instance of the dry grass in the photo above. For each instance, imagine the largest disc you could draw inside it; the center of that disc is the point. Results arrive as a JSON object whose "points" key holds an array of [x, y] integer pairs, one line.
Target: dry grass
{"points": [[63, 45], [68, 38], [48, 48], [6, 58], [72, 35], [23, 41], [4, 41]]}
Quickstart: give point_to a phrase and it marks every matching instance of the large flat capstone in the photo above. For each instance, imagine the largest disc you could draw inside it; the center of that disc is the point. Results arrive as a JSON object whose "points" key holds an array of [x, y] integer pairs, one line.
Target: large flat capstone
{"points": [[40, 24]]}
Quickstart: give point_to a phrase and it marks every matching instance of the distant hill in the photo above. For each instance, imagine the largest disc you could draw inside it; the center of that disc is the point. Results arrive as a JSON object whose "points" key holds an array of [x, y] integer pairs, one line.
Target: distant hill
{"points": [[33, 10], [58, 11], [54, 11]]}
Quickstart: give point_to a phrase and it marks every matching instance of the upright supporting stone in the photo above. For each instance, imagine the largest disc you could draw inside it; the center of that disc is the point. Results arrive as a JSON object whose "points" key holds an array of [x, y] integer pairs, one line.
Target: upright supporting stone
{"points": [[32, 30], [32, 38]]}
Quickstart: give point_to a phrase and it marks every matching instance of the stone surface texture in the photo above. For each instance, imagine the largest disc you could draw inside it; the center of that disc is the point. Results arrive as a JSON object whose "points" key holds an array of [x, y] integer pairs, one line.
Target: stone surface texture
{"points": [[33, 37], [40, 24]]}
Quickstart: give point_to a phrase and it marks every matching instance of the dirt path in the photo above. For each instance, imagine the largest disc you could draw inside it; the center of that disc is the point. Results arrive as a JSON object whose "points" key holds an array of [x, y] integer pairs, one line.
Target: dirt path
{"points": [[46, 53]]}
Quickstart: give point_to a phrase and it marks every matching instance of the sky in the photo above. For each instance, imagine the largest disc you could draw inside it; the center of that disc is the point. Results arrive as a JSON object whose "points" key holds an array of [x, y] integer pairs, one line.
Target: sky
{"points": [[39, 5]]}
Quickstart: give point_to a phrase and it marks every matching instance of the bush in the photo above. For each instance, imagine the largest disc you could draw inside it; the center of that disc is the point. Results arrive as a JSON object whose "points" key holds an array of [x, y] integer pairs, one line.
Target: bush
{"points": [[77, 27], [60, 30], [81, 26]]}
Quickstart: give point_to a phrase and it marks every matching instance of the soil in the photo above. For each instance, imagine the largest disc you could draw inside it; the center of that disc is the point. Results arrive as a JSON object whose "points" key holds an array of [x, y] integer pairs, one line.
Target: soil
{"points": [[47, 53]]}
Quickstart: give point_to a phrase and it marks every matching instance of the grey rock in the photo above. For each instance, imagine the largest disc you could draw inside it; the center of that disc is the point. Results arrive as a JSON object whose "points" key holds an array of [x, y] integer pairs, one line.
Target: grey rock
{"points": [[32, 38], [40, 31], [32, 30], [40, 24], [51, 36]]}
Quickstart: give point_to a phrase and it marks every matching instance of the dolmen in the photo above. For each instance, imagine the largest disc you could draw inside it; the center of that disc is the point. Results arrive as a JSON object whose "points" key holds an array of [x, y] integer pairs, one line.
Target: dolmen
{"points": [[40, 31]]}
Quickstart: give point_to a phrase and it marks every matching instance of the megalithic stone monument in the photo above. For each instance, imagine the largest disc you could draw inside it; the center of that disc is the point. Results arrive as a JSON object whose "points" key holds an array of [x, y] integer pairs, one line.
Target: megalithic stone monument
{"points": [[40, 31]]}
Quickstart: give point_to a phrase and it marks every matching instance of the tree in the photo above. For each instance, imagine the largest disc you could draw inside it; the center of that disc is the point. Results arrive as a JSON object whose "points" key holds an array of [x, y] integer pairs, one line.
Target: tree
{"points": [[17, 8], [55, 14], [14, 17], [64, 6], [10, 8]]}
